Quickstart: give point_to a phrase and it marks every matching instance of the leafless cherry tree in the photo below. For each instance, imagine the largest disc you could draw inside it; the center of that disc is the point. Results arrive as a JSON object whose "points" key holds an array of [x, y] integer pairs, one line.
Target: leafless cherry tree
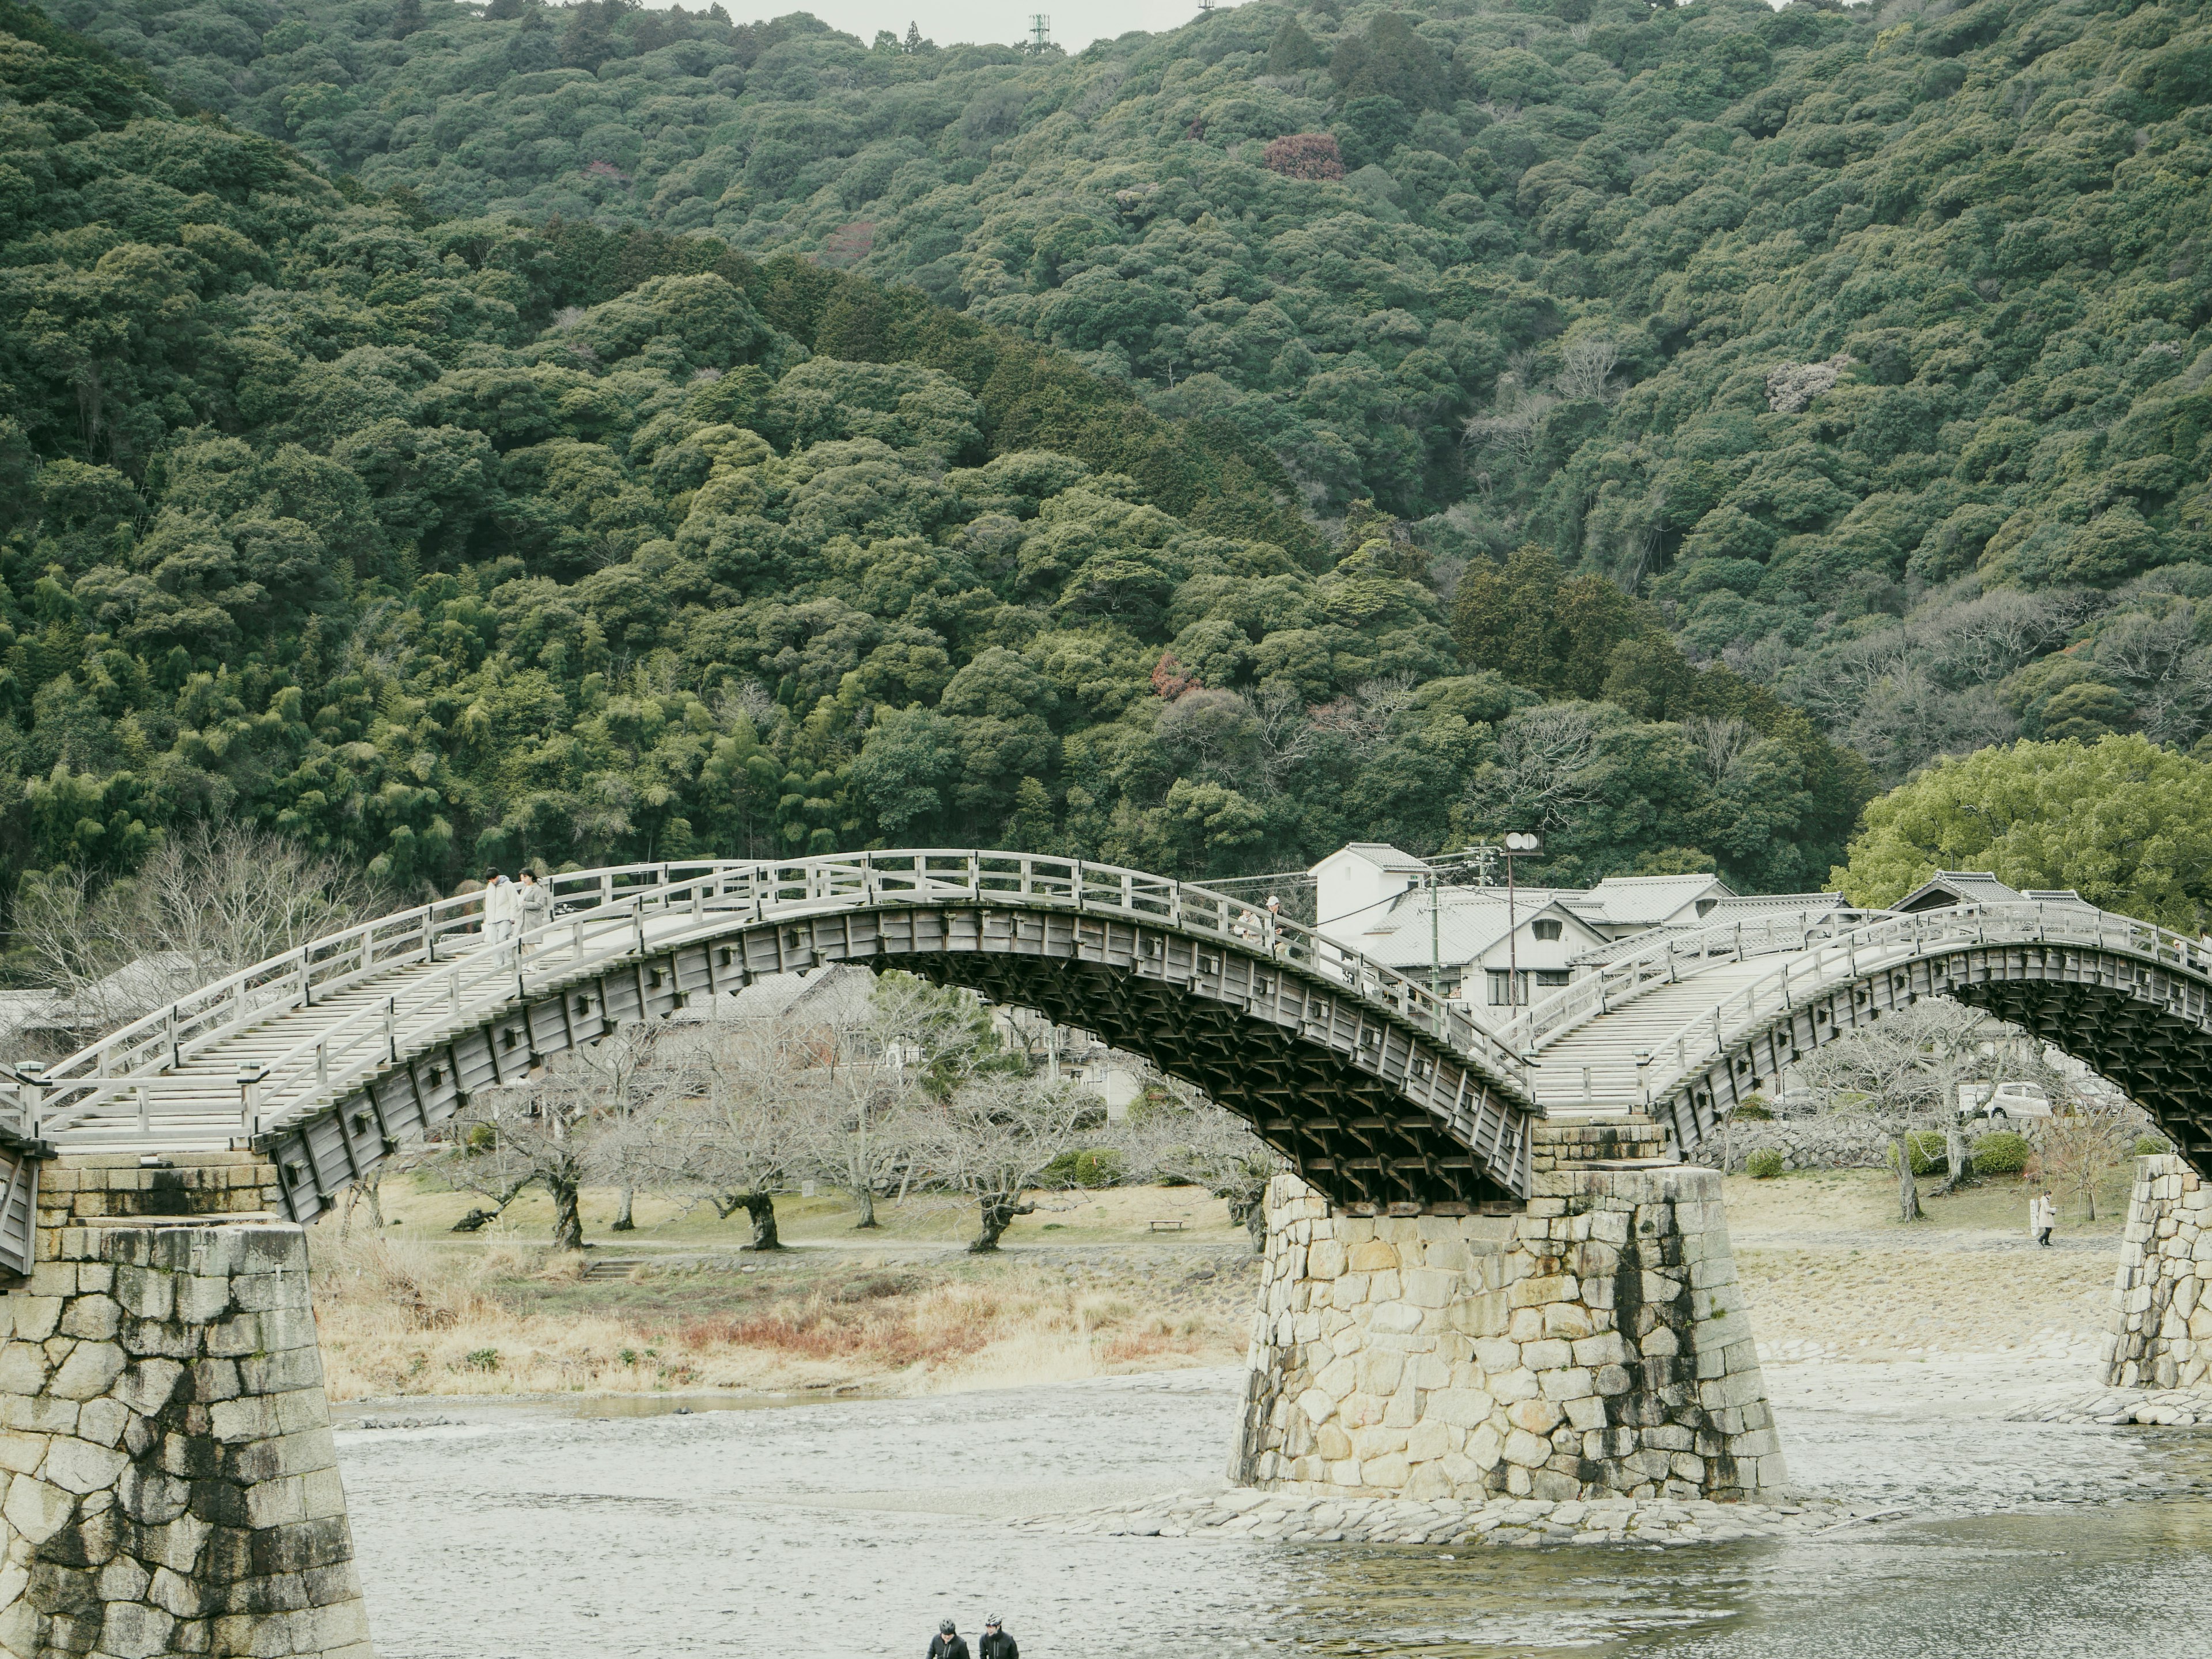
{"points": [[212, 898], [1175, 1134], [1907, 1070], [732, 1129], [994, 1139], [559, 1131]]}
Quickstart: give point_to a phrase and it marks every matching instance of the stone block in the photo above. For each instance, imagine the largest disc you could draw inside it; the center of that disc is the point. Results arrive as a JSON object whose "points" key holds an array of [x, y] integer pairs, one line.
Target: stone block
{"points": [[1394, 1318], [81, 1467], [38, 1414], [1606, 1348], [1380, 1371], [35, 1509], [1535, 1416], [91, 1369], [1550, 1287], [1547, 1356], [35, 1317], [102, 1421], [23, 1369], [1569, 1320], [244, 1418], [1375, 1255], [1586, 1412], [92, 1317], [1526, 1450], [302, 1411], [1430, 1287], [147, 1385], [1570, 1384], [21, 1453]]}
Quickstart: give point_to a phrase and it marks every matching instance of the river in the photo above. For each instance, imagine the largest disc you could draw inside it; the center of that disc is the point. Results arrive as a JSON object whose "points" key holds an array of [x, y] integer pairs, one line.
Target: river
{"points": [[848, 1529]]}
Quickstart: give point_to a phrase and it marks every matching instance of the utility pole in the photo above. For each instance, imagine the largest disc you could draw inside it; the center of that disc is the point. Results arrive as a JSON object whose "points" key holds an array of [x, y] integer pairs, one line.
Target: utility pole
{"points": [[1435, 906], [1516, 841]]}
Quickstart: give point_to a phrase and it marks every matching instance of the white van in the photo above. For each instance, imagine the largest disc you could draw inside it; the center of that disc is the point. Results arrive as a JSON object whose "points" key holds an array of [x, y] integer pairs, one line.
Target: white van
{"points": [[2011, 1100]]}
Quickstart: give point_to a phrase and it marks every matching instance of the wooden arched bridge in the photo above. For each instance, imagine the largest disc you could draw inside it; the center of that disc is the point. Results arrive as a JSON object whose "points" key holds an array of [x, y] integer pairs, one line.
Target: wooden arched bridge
{"points": [[333, 1056]]}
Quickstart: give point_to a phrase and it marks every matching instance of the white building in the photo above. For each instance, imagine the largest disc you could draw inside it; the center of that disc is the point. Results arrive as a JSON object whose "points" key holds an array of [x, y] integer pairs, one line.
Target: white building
{"points": [[1498, 947]]}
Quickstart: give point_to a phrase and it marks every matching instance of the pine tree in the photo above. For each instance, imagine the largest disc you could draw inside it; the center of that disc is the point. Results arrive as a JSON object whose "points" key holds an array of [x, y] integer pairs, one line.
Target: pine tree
{"points": [[913, 41]]}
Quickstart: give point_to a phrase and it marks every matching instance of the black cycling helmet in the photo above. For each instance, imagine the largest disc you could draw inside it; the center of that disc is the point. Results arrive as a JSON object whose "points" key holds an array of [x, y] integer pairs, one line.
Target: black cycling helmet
{"points": [[944, 1627]]}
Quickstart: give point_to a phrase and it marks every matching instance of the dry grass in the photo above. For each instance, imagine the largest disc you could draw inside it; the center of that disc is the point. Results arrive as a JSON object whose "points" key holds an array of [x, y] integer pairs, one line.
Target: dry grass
{"points": [[398, 1317]]}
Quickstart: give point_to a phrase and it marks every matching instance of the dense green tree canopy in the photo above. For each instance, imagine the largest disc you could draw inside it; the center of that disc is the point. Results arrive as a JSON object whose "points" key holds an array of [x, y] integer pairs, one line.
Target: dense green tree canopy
{"points": [[436, 542], [2126, 823], [1870, 347]]}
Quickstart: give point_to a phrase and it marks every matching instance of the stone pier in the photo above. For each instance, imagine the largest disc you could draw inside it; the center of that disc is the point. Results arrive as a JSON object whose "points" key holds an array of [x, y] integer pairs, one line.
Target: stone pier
{"points": [[170, 1485], [1594, 1343], [2161, 1334]]}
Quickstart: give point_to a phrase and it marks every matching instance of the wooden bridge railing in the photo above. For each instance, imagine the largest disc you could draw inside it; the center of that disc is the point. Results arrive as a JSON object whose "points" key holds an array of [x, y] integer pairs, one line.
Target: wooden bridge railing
{"points": [[601, 915]]}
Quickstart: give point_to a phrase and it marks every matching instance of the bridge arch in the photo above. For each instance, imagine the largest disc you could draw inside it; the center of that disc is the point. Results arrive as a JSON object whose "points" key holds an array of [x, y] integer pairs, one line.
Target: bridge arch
{"points": [[1688, 1027], [332, 1057]]}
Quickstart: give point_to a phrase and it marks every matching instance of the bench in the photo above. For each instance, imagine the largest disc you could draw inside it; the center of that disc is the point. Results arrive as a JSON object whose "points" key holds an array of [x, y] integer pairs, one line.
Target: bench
{"points": [[1169, 1224]]}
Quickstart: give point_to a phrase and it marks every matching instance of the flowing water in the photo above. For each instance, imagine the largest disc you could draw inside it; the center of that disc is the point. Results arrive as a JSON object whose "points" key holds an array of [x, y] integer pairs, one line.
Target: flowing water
{"points": [[531, 1532]]}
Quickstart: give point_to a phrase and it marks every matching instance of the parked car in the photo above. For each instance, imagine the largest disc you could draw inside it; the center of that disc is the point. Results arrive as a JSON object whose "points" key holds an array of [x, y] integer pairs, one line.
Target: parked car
{"points": [[2010, 1100]]}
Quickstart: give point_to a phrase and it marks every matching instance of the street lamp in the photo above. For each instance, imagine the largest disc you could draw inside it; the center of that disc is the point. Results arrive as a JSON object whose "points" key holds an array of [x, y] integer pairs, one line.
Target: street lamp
{"points": [[1527, 844]]}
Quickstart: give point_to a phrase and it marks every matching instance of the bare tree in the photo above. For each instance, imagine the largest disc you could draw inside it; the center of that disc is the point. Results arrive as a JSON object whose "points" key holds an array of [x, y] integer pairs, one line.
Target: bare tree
{"points": [[1905, 1069], [1544, 772], [2081, 1142], [732, 1129], [210, 900], [1176, 1134], [995, 1138], [1516, 414], [557, 1131], [1720, 739], [1586, 369]]}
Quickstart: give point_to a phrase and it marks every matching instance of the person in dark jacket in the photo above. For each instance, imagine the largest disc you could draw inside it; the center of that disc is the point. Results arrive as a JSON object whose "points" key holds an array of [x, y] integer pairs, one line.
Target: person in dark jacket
{"points": [[996, 1643], [946, 1644]]}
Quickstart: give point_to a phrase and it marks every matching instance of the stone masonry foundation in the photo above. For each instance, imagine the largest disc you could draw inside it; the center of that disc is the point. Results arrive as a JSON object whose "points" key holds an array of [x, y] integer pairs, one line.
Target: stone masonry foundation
{"points": [[167, 1480], [1594, 1344], [2161, 1336]]}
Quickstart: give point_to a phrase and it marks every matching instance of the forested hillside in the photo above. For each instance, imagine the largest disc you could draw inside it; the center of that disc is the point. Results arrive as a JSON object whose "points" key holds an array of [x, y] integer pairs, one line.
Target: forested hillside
{"points": [[439, 542], [1866, 343]]}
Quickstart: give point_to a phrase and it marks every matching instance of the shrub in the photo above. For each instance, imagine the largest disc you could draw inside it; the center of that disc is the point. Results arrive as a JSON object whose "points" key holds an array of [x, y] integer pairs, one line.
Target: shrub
{"points": [[1763, 1164], [1753, 1110], [2001, 1152], [1094, 1166], [2150, 1146], [1929, 1153]]}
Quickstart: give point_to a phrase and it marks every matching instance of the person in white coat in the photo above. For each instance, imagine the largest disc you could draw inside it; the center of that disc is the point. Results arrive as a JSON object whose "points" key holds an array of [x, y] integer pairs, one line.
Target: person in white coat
{"points": [[502, 908], [2042, 1217]]}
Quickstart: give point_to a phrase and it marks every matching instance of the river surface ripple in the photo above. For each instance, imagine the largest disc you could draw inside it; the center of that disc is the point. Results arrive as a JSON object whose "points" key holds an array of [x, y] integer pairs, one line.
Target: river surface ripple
{"points": [[847, 1531]]}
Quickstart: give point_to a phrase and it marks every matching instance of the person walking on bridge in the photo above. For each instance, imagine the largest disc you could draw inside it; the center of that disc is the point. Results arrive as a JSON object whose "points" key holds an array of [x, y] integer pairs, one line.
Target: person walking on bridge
{"points": [[996, 1643], [535, 900], [502, 908], [946, 1644]]}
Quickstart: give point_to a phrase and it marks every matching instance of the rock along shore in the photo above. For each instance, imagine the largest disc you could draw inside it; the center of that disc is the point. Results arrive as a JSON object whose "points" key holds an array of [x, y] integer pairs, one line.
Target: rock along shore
{"points": [[1295, 1517]]}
